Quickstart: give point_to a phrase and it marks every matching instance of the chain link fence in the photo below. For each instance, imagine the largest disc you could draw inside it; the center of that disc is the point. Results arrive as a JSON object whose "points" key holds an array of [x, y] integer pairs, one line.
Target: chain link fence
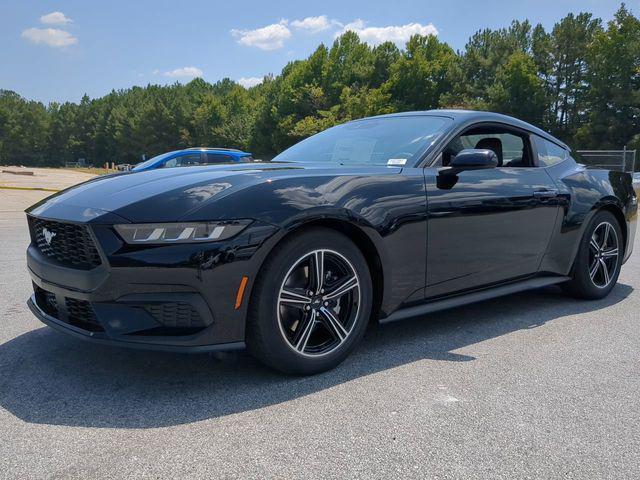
{"points": [[621, 160]]}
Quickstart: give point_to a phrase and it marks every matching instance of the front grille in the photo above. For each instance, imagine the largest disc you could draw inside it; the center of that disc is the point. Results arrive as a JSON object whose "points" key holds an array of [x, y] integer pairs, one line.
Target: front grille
{"points": [[69, 243], [81, 314], [175, 315]]}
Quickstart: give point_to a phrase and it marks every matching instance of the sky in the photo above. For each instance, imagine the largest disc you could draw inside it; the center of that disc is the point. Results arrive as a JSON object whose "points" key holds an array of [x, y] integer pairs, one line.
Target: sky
{"points": [[60, 50]]}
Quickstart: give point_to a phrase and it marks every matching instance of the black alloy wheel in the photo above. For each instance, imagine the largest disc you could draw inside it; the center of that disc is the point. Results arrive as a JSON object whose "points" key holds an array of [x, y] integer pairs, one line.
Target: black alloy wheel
{"points": [[597, 264], [319, 302], [311, 303], [603, 254]]}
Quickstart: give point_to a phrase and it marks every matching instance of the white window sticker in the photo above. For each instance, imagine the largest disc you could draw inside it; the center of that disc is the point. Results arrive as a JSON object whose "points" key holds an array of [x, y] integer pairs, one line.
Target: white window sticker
{"points": [[396, 162]]}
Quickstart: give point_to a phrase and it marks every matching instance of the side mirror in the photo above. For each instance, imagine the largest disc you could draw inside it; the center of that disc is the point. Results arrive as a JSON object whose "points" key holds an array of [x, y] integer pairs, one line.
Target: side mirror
{"points": [[475, 158]]}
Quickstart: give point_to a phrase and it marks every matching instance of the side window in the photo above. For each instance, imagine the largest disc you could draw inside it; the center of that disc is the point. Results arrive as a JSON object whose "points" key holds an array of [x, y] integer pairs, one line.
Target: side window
{"points": [[548, 152], [189, 160], [510, 148], [183, 161], [172, 162], [213, 158]]}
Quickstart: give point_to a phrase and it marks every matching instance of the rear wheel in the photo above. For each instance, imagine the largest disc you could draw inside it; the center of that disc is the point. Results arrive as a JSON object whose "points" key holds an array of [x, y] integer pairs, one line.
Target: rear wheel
{"points": [[597, 264], [311, 303]]}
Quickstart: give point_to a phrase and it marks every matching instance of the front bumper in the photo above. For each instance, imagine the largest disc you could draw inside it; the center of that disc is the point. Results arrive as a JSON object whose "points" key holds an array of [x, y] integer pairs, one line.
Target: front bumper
{"points": [[103, 339], [175, 298]]}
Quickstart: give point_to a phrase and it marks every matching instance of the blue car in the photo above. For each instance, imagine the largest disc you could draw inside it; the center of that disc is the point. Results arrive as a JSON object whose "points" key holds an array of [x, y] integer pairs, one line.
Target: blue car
{"points": [[190, 157]]}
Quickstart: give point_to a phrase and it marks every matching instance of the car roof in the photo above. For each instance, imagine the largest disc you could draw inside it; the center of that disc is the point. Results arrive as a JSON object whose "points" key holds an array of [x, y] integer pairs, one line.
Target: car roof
{"points": [[473, 116], [216, 149]]}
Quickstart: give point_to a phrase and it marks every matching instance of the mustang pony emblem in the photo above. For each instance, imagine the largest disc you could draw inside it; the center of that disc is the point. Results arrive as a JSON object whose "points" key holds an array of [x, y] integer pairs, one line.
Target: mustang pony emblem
{"points": [[48, 236]]}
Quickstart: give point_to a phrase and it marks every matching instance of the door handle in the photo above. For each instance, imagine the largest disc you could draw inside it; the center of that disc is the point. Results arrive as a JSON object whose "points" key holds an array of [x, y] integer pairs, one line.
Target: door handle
{"points": [[546, 193]]}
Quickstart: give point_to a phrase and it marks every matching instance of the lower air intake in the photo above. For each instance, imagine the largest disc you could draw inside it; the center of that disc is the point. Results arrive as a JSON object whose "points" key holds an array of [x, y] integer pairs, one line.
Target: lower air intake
{"points": [[176, 315]]}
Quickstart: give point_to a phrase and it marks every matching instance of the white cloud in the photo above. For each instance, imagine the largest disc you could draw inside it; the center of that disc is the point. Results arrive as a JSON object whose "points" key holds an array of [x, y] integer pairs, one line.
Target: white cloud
{"points": [[184, 72], [313, 24], [398, 34], [55, 18], [50, 36], [248, 82], [271, 37]]}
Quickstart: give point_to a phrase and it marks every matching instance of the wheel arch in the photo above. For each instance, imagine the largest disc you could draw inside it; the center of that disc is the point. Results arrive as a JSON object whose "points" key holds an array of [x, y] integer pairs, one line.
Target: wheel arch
{"points": [[607, 204], [367, 243], [611, 205]]}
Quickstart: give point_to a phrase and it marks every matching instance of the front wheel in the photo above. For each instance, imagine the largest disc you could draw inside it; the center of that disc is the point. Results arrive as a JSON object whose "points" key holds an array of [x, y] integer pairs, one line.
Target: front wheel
{"points": [[597, 264], [311, 303]]}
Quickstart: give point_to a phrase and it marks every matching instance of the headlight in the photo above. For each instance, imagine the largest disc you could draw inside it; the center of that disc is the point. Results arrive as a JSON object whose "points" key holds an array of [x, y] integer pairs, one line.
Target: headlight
{"points": [[165, 233]]}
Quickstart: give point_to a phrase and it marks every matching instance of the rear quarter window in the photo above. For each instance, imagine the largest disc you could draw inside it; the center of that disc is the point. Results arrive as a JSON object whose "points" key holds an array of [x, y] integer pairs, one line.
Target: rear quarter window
{"points": [[548, 152]]}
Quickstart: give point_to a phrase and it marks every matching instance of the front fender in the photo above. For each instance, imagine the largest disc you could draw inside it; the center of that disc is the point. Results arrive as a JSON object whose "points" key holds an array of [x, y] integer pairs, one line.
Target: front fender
{"points": [[387, 206]]}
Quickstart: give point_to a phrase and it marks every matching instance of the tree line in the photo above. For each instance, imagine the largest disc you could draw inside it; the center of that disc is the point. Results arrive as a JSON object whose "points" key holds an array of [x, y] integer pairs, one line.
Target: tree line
{"points": [[580, 81]]}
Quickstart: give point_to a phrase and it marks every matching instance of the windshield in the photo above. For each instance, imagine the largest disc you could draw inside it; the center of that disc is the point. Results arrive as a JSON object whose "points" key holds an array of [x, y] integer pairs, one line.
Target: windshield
{"points": [[153, 160], [374, 141]]}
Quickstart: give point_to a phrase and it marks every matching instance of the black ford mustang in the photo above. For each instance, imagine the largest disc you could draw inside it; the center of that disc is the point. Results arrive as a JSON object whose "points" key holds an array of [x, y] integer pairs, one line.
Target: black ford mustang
{"points": [[385, 217]]}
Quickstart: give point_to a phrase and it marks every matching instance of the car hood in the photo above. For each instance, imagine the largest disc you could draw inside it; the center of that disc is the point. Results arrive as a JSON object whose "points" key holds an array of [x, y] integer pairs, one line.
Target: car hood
{"points": [[174, 193]]}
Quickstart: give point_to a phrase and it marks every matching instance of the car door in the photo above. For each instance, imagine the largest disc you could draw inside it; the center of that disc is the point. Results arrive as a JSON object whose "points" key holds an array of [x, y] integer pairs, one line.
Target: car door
{"points": [[487, 225]]}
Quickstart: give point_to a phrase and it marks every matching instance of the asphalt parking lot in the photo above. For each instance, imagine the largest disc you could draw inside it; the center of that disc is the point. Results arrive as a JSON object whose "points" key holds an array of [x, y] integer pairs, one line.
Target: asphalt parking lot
{"points": [[535, 385]]}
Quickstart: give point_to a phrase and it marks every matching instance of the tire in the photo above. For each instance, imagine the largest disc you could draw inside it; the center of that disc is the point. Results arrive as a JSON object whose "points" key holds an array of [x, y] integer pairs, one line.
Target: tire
{"points": [[291, 323], [595, 255]]}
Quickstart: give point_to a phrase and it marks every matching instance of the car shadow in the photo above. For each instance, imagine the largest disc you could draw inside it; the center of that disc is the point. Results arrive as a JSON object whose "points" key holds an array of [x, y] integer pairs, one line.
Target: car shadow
{"points": [[50, 378]]}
